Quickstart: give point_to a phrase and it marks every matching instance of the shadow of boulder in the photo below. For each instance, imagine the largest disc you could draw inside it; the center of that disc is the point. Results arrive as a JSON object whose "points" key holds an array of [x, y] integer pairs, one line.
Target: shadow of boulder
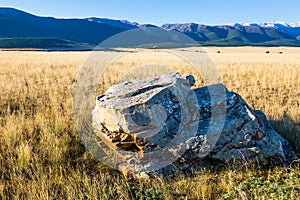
{"points": [[289, 129]]}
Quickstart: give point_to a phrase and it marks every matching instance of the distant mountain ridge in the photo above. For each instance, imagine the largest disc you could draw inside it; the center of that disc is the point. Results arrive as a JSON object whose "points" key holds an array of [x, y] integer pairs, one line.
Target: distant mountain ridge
{"points": [[124, 24], [18, 24], [236, 34], [292, 29], [19, 29]]}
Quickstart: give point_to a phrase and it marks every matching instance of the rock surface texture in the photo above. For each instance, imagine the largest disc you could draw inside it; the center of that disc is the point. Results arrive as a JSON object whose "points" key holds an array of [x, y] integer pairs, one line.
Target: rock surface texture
{"points": [[161, 126]]}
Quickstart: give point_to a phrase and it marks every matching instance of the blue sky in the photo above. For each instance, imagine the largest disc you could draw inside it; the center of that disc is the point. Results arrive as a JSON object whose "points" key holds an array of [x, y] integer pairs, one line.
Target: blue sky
{"points": [[166, 11]]}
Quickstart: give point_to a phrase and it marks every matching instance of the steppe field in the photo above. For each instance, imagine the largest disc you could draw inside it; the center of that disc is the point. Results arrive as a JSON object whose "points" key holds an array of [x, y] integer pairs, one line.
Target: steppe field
{"points": [[42, 157]]}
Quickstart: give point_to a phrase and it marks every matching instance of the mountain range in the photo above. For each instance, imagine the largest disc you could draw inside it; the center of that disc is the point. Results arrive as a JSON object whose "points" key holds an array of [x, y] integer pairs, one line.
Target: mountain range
{"points": [[19, 29]]}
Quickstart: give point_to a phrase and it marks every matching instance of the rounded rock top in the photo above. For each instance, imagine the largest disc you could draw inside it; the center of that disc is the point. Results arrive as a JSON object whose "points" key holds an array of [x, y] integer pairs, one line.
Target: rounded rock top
{"points": [[190, 79]]}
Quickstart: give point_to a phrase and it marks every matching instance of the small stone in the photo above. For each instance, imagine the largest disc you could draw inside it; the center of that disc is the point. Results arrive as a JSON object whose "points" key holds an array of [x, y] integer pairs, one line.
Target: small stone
{"points": [[143, 175], [190, 79]]}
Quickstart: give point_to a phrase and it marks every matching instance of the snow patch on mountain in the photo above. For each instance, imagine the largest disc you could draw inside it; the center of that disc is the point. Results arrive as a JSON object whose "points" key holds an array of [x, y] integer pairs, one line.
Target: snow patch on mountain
{"points": [[268, 24]]}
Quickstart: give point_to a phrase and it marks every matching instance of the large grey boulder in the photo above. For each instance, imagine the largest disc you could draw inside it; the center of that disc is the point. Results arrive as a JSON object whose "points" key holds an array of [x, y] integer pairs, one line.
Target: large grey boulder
{"points": [[160, 126]]}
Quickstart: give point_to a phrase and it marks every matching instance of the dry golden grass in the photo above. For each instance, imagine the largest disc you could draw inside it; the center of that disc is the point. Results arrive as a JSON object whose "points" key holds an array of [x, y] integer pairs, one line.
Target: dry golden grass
{"points": [[41, 156]]}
